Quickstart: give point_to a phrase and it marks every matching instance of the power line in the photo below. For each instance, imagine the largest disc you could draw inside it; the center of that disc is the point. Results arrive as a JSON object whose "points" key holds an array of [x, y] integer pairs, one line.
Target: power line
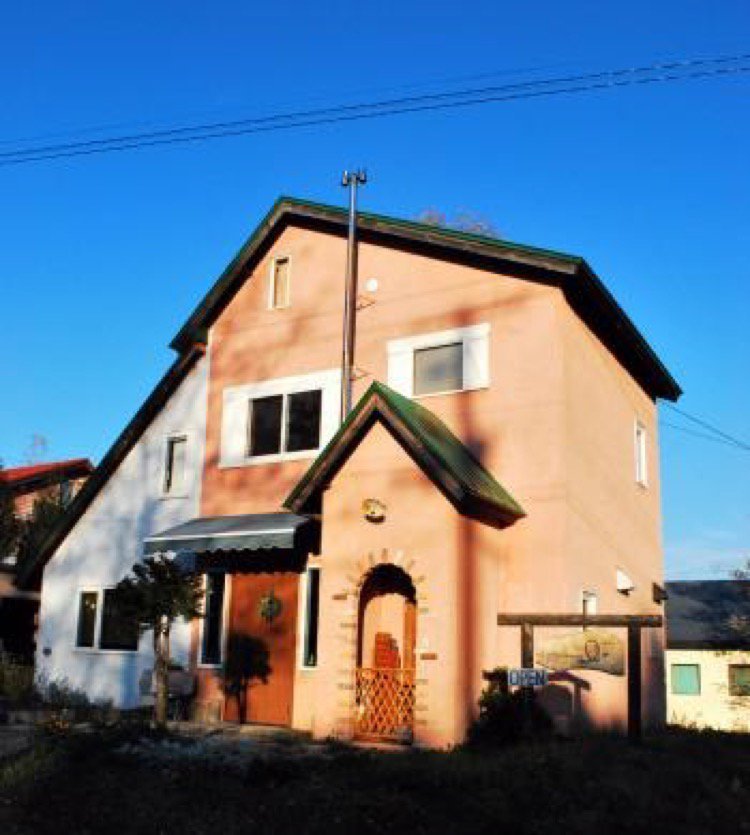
{"points": [[704, 435], [566, 85], [730, 439]]}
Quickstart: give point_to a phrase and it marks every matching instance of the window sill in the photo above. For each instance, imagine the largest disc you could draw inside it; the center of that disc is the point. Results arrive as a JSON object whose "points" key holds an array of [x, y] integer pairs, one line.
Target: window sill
{"points": [[447, 392], [97, 651], [279, 458], [202, 666]]}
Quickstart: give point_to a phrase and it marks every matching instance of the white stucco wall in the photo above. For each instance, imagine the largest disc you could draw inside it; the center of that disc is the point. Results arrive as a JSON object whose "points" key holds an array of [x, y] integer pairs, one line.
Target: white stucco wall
{"points": [[108, 540], [714, 707]]}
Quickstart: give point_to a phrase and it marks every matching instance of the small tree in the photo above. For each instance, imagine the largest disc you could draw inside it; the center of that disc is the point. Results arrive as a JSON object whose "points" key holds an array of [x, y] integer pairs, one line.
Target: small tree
{"points": [[158, 592]]}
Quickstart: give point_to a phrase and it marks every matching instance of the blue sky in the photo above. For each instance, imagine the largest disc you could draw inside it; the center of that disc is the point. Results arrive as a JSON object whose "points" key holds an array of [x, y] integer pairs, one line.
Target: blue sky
{"points": [[103, 258]]}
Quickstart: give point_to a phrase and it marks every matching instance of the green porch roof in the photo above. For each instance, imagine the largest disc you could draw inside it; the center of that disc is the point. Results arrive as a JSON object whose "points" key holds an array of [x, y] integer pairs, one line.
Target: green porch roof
{"points": [[444, 458]]}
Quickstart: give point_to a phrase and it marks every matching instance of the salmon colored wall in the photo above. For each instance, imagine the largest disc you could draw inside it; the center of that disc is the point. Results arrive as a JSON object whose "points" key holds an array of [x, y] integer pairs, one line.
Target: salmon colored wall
{"points": [[555, 427], [612, 522], [421, 533], [250, 343]]}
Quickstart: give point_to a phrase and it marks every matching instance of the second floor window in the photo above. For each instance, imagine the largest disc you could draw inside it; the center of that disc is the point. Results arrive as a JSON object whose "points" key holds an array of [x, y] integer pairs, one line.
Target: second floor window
{"points": [[641, 468], [439, 369], [442, 362], [279, 295], [284, 423], [174, 465]]}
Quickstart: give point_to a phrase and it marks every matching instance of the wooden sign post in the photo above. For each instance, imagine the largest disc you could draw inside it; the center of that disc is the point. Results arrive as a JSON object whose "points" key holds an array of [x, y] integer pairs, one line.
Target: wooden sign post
{"points": [[633, 623]]}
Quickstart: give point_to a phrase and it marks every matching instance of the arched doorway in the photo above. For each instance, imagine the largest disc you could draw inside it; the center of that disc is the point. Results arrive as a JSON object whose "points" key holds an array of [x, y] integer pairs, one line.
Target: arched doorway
{"points": [[386, 655]]}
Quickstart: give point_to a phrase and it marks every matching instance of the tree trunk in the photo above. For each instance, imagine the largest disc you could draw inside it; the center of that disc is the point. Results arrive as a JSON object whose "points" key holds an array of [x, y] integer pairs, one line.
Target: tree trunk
{"points": [[161, 668]]}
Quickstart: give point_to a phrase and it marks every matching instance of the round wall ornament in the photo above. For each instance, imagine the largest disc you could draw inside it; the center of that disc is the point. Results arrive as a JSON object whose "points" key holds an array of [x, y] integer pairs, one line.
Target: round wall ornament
{"points": [[373, 510], [269, 607]]}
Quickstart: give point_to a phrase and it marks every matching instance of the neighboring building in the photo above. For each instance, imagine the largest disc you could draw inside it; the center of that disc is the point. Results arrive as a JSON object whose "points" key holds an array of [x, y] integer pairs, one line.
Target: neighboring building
{"points": [[708, 654], [19, 603], [502, 457]]}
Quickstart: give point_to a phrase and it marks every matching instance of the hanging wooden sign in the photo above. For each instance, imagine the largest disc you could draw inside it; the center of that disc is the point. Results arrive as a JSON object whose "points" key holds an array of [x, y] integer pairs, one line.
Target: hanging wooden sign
{"points": [[592, 649]]}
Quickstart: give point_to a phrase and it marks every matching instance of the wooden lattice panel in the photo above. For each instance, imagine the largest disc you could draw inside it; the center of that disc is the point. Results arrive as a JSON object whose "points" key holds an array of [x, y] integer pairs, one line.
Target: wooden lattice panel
{"points": [[385, 703]]}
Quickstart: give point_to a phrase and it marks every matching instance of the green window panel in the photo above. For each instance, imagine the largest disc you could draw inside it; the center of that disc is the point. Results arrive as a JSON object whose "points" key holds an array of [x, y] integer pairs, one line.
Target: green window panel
{"points": [[686, 679], [739, 679]]}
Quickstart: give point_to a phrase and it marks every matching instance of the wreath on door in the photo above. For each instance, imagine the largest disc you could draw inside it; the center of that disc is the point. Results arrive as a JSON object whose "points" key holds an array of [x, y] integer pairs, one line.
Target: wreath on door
{"points": [[270, 607]]}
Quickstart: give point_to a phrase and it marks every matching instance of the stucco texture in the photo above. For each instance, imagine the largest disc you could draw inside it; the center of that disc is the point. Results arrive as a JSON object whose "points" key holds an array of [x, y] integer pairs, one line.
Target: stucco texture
{"points": [[555, 427]]}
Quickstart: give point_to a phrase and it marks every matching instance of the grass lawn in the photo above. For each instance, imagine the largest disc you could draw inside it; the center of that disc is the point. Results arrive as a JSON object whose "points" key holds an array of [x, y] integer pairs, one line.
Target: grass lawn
{"points": [[681, 782]]}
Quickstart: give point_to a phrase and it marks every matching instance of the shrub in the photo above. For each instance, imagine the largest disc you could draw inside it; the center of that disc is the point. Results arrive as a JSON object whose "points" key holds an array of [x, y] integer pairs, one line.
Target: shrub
{"points": [[16, 681], [507, 717], [70, 702]]}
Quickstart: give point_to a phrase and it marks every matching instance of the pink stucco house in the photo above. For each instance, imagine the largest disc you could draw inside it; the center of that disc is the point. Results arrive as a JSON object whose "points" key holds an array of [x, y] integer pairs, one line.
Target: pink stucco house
{"points": [[502, 457]]}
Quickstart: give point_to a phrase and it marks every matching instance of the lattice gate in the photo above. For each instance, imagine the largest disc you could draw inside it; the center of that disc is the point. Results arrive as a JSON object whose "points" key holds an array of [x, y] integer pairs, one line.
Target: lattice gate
{"points": [[385, 703]]}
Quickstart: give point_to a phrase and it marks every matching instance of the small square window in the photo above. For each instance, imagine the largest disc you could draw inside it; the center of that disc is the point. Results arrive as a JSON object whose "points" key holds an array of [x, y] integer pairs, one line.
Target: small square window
{"points": [[439, 369], [280, 283], [87, 606], [739, 679], [174, 466], [686, 679]]}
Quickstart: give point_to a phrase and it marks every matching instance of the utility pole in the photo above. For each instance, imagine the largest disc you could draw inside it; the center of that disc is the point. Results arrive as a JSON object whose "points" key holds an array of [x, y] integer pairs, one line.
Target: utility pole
{"points": [[351, 180]]}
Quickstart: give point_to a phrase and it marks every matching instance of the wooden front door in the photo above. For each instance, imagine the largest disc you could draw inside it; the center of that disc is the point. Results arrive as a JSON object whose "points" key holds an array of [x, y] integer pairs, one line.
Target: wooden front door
{"points": [[269, 702]]}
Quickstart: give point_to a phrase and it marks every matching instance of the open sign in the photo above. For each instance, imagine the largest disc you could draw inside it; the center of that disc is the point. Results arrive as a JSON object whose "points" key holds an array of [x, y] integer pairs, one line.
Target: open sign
{"points": [[527, 677]]}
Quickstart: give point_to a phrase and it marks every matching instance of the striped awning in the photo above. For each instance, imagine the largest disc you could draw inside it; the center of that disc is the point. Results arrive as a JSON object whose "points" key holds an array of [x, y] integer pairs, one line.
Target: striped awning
{"points": [[212, 534]]}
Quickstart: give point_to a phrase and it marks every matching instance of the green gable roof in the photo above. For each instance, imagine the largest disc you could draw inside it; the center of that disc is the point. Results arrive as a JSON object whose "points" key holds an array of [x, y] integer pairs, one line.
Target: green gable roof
{"points": [[444, 458]]}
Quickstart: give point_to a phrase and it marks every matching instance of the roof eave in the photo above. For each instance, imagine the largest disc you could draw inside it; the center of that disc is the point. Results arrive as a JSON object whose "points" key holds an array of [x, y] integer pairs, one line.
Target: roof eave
{"points": [[29, 571]]}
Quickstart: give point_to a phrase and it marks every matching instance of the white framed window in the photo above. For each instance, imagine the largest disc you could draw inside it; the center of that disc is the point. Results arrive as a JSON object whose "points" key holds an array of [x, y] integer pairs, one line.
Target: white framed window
{"points": [[100, 626], [279, 285], [442, 362], [283, 423], [310, 618], [285, 419], [175, 472], [641, 454], [213, 624]]}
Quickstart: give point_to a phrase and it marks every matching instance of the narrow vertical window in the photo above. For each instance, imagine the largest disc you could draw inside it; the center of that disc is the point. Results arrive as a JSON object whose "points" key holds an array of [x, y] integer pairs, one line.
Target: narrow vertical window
{"points": [[280, 283], [312, 607], [213, 619], [87, 605], [174, 465], [641, 473]]}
